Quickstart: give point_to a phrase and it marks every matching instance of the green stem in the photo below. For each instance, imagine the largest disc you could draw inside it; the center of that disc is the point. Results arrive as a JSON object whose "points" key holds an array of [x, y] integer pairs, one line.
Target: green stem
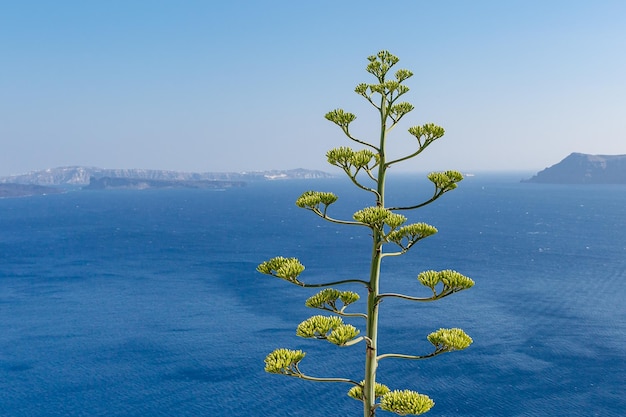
{"points": [[384, 255], [371, 363], [358, 184], [410, 298], [406, 297], [330, 219], [413, 155], [347, 133], [372, 332], [433, 198], [411, 357], [330, 284], [300, 375]]}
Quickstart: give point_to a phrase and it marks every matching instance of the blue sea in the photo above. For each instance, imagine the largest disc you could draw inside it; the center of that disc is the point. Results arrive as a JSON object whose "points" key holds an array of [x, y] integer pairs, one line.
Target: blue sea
{"points": [[147, 303]]}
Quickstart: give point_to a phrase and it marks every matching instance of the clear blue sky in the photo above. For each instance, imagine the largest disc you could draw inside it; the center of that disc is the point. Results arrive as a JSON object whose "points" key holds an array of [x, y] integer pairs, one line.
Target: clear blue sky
{"points": [[244, 85]]}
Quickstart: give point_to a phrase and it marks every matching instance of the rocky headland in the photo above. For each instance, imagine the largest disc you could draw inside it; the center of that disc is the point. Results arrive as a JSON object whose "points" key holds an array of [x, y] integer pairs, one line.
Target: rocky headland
{"points": [[579, 168]]}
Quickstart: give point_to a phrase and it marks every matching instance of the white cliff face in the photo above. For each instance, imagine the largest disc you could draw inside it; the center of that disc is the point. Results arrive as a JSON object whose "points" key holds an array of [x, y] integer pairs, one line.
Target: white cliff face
{"points": [[53, 176], [79, 175]]}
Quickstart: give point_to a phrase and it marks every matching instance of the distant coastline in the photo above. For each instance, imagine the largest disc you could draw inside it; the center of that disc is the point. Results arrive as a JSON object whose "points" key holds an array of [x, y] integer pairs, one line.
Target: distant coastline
{"points": [[56, 180], [26, 190], [106, 183]]}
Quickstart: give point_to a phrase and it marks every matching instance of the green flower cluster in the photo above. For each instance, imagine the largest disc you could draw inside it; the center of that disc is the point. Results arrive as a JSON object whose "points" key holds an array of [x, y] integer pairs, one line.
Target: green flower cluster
{"points": [[286, 268], [327, 298], [406, 402], [446, 180], [427, 133], [345, 157], [312, 199], [452, 281], [449, 339], [284, 361], [400, 109], [407, 236], [380, 63], [340, 118], [376, 217], [330, 328], [356, 392]]}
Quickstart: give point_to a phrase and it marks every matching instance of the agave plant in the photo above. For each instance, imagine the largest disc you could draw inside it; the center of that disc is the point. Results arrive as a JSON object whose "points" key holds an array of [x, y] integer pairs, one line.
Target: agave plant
{"points": [[367, 169]]}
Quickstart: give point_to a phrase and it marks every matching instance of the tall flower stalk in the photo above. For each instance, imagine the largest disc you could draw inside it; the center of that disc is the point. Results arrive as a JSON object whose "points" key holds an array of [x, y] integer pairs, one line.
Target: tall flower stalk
{"points": [[391, 236]]}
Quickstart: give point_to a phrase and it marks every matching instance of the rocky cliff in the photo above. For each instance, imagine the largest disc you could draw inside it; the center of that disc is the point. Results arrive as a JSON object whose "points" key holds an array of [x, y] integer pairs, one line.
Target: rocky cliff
{"points": [[579, 168]]}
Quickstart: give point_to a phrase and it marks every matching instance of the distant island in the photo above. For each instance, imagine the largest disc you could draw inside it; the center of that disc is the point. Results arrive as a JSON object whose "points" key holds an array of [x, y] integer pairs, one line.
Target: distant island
{"points": [[57, 180], [579, 168], [81, 175], [107, 183], [26, 190]]}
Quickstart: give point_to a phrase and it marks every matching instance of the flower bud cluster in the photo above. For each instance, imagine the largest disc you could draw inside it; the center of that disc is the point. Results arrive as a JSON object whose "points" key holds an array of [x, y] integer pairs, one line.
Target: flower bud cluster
{"points": [[330, 328], [286, 268], [312, 199], [449, 339], [400, 109], [452, 281], [343, 334], [376, 217], [284, 361], [345, 157], [403, 74], [356, 392], [427, 133], [402, 402], [340, 117], [446, 180], [328, 298], [408, 235], [381, 63], [406, 402]]}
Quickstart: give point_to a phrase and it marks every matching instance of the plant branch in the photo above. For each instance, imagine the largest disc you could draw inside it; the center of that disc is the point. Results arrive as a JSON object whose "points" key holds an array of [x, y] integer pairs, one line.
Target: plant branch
{"points": [[355, 182], [330, 219], [300, 375], [346, 131], [384, 255], [371, 175], [410, 357], [420, 299], [407, 297], [341, 312], [369, 98], [413, 155], [438, 193], [330, 284]]}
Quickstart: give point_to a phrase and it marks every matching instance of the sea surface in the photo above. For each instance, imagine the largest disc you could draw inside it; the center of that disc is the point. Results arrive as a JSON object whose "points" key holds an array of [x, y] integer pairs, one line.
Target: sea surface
{"points": [[147, 303]]}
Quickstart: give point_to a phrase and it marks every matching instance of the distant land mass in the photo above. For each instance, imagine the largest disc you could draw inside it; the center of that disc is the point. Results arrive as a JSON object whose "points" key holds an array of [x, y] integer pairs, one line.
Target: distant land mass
{"points": [[106, 183], [580, 168], [58, 180], [83, 176], [26, 190]]}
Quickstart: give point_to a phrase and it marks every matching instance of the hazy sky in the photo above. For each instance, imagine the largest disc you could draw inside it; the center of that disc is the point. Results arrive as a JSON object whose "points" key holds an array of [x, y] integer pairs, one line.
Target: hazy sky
{"points": [[244, 85]]}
